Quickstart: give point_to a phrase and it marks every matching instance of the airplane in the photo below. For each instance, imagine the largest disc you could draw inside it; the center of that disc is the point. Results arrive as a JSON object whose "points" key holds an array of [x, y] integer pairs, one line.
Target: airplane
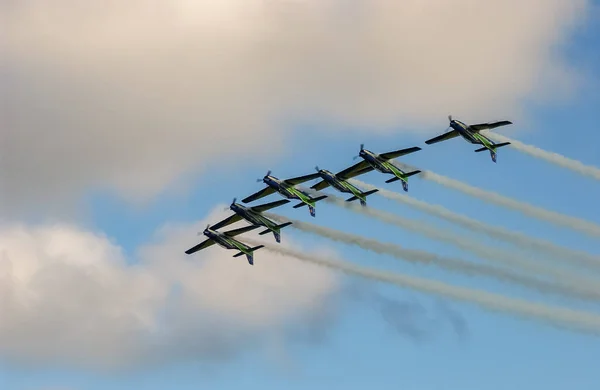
{"points": [[381, 163], [253, 215], [226, 240], [286, 188], [339, 182], [472, 135]]}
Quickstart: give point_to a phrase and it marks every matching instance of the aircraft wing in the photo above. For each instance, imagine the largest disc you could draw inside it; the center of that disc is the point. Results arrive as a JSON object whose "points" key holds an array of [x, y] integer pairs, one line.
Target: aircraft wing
{"points": [[487, 126], [239, 231], [443, 137], [227, 221], [355, 170], [398, 153], [301, 179], [320, 185], [202, 245], [268, 206], [260, 194]]}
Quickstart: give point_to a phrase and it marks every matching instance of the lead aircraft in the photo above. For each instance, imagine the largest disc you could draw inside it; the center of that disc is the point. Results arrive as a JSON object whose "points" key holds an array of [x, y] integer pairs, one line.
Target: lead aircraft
{"points": [[286, 188], [227, 241], [472, 135]]}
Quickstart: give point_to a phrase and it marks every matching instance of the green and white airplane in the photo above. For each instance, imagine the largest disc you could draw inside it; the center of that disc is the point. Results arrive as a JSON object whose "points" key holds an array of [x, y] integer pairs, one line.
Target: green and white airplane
{"points": [[287, 189], [381, 162], [340, 183], [472, 135], [254, 216], [227, 241]]}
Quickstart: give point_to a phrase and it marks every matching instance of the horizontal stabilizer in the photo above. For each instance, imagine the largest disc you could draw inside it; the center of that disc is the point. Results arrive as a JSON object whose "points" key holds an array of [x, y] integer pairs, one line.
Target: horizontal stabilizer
{"points": [[250, 256], [351, 199], [284, 225], [501, 145], [409, 174], [238, 254], [367, 193], [495, 146], [300, 205], [264, 232], [393, 179], [318, 198]]}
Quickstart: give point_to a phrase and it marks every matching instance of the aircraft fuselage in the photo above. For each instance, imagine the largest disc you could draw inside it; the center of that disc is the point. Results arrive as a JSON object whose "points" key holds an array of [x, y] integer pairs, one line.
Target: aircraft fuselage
{"points": [[290, 192], [471, 136], [224, 241], [285, 189], [381, 166], [335, 182], [251, 216]]}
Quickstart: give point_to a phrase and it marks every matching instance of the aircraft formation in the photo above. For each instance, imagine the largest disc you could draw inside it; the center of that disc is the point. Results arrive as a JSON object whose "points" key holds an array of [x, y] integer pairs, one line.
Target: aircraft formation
{"points": [[287, 188]]}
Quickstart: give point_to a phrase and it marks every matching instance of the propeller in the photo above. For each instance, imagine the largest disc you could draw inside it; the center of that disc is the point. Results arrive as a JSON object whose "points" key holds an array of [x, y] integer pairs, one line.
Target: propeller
{"points": [[362, 146], [268, 173], [449, 127], [228, 207], [201, 233]]}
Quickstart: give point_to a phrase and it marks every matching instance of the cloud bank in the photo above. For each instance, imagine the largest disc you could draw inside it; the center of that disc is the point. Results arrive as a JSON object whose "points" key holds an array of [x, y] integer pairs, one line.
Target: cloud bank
{"points": [[132, 96], [69, 296]]}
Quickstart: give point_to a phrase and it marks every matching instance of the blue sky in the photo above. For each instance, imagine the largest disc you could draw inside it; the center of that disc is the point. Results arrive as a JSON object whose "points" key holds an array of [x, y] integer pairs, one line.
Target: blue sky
{"points": [[360, 348]]}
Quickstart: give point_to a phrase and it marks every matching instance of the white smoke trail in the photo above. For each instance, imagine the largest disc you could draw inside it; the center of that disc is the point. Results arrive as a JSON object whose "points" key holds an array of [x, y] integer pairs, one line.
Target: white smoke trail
{"points": [[563, 317], [548, 248], [450, 263], [581, 225], [569, 281], [552, 157]]}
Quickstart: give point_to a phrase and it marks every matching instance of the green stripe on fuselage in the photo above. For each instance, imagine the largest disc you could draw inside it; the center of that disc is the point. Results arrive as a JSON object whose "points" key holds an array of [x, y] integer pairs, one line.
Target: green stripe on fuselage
{"points": [[355, 191], [267, 222], [237, 244], [484, 141], [301, 196], [396, 171]]}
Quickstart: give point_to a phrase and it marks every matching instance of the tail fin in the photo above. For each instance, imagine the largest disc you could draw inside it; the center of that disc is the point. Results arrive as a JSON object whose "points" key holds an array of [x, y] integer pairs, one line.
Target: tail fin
{"points": [[363, 195], [250, 254], [492, 149], [276, 231]]}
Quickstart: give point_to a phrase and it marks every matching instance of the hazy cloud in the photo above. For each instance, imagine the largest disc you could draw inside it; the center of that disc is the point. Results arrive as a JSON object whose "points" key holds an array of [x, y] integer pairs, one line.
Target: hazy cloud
{"points": [[71, 296], [131, 96]]}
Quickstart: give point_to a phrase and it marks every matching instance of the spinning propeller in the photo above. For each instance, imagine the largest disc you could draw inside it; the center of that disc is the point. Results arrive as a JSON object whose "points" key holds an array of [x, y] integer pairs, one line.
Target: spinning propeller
{"points": [[232, 203], [362, 146], [449, 127], [268, 173], [201, 233]]}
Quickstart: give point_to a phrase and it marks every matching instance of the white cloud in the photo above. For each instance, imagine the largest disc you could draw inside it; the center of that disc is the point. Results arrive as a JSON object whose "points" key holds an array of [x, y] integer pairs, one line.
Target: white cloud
{"points": [[133, 95], [71, 296]]}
